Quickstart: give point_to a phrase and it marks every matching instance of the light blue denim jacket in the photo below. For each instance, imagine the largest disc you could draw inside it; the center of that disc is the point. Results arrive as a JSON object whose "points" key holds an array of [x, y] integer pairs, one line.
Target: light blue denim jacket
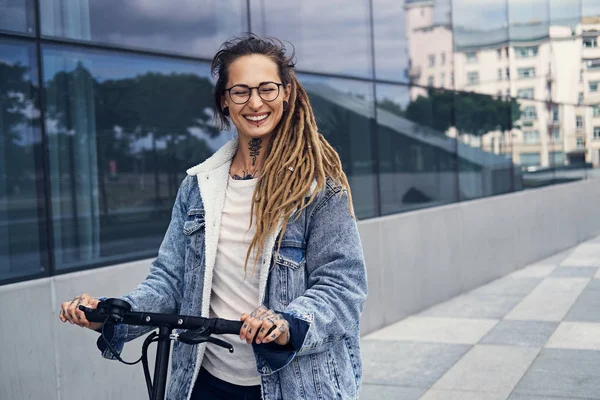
{"points": [[318, 278]]}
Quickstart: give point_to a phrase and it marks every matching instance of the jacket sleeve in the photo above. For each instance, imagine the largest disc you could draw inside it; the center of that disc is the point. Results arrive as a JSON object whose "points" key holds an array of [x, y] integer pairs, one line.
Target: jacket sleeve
{"points": [[162, 290], [336, 274]]}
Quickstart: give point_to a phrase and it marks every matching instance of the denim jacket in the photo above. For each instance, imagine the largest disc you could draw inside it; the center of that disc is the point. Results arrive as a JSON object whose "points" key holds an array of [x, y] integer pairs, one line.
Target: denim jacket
{"points": [[318, 279]]}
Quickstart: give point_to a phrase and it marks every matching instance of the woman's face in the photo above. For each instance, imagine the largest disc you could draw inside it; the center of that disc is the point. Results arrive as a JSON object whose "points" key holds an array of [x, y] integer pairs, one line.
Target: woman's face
{"points": [[256, 118]]}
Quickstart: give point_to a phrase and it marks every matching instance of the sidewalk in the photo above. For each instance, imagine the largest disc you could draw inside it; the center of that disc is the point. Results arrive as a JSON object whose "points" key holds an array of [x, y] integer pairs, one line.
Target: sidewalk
{"points": [[532, 335]]}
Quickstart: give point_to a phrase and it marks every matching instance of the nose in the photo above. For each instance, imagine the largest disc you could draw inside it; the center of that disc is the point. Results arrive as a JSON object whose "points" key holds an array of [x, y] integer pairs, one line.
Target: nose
{"points": [[255, 102]]}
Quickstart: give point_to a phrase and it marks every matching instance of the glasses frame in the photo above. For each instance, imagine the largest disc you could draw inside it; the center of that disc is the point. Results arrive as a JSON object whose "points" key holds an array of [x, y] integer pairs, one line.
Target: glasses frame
{"points": [[257, 91]]}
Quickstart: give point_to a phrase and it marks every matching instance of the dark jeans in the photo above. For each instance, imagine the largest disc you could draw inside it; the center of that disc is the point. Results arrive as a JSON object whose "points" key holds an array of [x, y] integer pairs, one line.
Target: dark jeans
{"points": [[209, 387]]}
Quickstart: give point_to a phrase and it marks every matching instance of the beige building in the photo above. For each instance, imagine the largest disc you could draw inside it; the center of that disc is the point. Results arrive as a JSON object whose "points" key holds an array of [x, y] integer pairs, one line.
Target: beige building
{"points": [[553, 70]]}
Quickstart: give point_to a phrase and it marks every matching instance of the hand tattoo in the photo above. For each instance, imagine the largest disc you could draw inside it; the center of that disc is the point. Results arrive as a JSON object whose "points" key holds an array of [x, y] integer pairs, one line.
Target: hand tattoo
{"points": [[254, 145]]}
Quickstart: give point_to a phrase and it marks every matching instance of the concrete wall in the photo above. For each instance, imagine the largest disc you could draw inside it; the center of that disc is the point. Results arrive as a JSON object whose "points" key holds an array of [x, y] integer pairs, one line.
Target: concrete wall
{"points": [[414, 260]]}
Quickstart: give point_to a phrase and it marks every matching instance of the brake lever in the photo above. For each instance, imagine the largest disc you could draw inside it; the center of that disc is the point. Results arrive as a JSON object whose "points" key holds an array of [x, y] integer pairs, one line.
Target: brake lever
{"points": [[200, 336]]}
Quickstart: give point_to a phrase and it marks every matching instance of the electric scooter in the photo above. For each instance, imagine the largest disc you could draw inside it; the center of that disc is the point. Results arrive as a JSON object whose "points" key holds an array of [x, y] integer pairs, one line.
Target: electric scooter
{"points": [[199, 329]]}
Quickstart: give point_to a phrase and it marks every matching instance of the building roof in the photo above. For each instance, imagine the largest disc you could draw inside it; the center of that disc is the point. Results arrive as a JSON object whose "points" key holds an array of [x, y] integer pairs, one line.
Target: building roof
{"points": [[467, 39]]}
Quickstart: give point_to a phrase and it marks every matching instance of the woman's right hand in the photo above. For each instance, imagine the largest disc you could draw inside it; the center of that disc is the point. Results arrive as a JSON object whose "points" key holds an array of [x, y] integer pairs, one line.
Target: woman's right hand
{"points": [[70, 312]]}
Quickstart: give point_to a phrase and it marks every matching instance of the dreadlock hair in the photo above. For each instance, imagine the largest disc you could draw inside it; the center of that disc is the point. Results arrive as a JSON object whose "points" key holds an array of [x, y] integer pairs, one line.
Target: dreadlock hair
{"points": [[298, 154]]}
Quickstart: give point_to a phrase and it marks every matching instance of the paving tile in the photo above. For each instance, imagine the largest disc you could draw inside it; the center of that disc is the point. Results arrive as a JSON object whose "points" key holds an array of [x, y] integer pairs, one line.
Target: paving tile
{"points": [[581, 261], [572, 374], [508, 286], [550, 300], [438, 330], [597, 276], [534, 271], [490, 369], [531, 397], [588, 249], [587, 305], [378, 392], [439, 394], [520, 333], [407, 364], [474, 306], [576, 335], [557, 258], [574, 272]]}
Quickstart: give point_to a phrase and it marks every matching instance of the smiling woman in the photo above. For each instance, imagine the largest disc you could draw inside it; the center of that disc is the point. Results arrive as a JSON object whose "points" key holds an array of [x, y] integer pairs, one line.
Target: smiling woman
{"points": [[276, 246]]}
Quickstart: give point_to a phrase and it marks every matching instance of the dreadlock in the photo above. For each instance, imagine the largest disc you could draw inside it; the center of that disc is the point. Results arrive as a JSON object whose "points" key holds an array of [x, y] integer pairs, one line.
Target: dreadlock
{"points": [[298, 154]]}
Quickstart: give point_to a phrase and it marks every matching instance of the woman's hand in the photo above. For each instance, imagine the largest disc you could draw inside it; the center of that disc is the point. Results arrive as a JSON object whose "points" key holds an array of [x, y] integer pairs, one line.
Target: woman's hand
{"points": [[265, 326], [70, 312]]}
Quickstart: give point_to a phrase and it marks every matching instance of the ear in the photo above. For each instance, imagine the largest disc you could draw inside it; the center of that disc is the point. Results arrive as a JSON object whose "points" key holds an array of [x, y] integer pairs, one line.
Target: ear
{"points": [[286, 92], [223, 102]]}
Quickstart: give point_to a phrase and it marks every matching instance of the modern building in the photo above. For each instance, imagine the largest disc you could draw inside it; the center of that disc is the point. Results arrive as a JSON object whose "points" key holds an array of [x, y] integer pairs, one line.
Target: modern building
{"points": [[432, 105]]}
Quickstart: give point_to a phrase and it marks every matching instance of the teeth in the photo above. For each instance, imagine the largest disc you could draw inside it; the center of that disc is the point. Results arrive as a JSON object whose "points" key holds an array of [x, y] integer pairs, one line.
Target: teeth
{"points": [[255, 119]]}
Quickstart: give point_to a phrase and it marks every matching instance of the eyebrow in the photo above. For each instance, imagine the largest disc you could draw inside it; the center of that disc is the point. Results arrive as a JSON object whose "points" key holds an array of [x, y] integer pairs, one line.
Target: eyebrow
{"points": [[243, 84]]}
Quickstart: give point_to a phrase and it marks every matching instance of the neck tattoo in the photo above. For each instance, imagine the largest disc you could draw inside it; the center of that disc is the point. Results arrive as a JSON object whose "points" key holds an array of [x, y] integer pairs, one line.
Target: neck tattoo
{"points": [[254, 145]]}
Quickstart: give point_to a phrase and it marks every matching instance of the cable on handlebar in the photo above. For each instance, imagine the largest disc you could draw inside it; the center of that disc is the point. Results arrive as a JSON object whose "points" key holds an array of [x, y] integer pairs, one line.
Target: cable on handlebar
{"points": [[112, 349]]}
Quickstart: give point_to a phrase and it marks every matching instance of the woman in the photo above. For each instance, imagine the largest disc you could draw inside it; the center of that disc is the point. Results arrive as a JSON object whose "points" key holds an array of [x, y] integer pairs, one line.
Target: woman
{"points": [[263, 229]]}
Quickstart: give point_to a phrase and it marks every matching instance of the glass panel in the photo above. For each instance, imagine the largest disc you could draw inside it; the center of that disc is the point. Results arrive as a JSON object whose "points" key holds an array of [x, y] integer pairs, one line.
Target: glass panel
{"points": [[344, 112], [485, 147], [122, 130], [417, 156], [177, 26], [590, 8], [480, 34], [326, 34], [420, 29], [17, 15], [21, 178]]}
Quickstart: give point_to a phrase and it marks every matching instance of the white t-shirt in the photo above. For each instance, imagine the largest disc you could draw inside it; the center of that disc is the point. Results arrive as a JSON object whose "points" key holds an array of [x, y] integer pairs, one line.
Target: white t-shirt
{"points": [[233, 291]]}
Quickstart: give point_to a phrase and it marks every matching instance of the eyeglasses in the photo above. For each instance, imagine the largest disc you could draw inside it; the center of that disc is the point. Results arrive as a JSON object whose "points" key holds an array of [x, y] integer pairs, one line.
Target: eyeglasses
{"points": [[267, 91]]}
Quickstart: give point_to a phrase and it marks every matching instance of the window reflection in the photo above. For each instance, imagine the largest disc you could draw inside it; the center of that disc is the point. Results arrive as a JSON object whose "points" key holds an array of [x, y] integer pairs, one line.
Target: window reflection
{"points": [[122, 130], [417, 159], [20, 171], [176, 26], [329, 36], [344, 112], [17, 15]]}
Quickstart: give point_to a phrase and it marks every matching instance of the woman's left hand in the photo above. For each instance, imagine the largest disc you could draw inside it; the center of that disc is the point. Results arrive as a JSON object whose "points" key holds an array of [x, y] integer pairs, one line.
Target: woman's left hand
{"points": [[259, 322]]}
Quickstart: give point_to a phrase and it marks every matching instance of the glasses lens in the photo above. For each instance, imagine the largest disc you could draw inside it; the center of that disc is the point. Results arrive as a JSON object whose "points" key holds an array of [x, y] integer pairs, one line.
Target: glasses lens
{"points": [[268, 91], [239, 94]]}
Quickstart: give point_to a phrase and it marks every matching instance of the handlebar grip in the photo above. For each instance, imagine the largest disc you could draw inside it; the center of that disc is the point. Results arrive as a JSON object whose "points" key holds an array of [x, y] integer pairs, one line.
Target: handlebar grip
{"points": [[223, 326], [92, 314]]}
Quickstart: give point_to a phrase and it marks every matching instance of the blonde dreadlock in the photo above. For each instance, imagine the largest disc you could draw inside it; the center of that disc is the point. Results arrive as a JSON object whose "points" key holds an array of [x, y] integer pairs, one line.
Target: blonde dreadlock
{"points": [[298, 154]]}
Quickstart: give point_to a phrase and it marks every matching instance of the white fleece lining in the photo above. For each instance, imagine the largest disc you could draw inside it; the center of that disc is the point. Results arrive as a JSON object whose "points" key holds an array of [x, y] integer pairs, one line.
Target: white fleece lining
{"points": [[213, 175]]}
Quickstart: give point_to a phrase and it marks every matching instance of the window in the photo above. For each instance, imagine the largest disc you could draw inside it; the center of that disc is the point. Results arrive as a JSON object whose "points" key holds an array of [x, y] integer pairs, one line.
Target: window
{"points": [[499, 51], [580, 98], [500, 74], [530, 159], [525, 52], [473, 78], [431, 80], [526, 93], [507, 92], [597, 132], [524, 73], [531, 137], [529, 113], [442, 79], [499, 93], [579, 122], [17, 15], [580, 143], [592, 64], [596, 110], [593, 85], [555, 136], [555, 114], [431, 59], [507, 73], [556, 158], [590, 42], [506, 51], [471, 57]]}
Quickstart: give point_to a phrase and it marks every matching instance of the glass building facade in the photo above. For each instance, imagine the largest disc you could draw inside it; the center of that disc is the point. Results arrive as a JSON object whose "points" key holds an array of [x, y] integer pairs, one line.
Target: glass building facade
{"points": [[105, 104]]}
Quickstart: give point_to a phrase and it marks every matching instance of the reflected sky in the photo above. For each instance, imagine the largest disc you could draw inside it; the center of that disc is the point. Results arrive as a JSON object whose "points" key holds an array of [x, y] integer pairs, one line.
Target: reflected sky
{"points": [[182, 26]]}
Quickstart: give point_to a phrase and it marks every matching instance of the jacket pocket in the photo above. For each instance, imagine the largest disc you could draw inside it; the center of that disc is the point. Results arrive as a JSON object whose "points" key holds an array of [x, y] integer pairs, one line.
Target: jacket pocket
{"points": [[193, 229], [290, 262], [194, 222]]}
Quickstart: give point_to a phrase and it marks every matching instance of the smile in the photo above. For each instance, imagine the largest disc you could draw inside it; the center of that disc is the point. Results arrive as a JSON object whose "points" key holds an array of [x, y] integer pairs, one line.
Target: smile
{"points": [[256, 118]]}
